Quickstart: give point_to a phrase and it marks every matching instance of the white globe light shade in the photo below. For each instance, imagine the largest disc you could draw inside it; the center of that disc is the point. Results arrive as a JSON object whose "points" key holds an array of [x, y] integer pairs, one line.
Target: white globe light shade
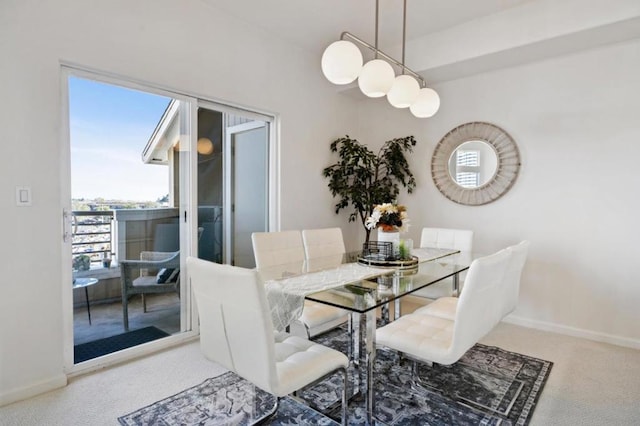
{"points": [[404, 91], [427, 103], [376, 78], [341, 62]]}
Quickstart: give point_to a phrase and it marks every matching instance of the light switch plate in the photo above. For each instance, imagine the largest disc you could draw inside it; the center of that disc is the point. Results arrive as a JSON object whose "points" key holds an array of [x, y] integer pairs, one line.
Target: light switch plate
{"points": [[23, 196]]}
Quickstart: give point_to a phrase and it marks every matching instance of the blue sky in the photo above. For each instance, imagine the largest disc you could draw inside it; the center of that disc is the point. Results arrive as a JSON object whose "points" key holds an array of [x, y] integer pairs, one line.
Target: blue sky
{"points": [[109, 127]]}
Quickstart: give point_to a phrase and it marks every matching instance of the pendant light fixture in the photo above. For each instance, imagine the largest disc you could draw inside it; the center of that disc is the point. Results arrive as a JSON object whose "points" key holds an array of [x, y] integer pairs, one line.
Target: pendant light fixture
{"points": [[376, 78], [427, 103], [342, 65], [342, 62]]}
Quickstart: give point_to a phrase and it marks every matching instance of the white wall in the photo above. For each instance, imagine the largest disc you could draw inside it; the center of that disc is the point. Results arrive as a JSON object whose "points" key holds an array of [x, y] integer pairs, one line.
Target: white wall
{"points": [[575, 120], [183, 45]]}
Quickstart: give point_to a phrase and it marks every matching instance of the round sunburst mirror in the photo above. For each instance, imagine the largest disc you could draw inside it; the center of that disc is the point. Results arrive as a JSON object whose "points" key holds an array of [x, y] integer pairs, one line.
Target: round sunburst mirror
{"points": [[475, 163]]}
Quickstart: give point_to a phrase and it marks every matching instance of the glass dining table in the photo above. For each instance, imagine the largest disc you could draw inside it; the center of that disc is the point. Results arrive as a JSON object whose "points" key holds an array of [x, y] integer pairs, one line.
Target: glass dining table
{"points": [[361, 287]]}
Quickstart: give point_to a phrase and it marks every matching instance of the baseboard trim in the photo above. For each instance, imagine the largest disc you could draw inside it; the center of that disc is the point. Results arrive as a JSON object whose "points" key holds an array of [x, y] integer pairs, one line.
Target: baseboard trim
{"points": [[33, 389], [575, 332]]}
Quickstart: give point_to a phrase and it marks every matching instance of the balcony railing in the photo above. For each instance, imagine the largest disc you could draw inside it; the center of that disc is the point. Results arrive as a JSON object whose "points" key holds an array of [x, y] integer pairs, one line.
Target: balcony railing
{"points": [[93, 235]]}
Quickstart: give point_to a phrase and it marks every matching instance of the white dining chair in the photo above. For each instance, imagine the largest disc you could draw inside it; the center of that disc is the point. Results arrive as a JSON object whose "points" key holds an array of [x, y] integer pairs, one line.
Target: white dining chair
{"points": [[445, 238], [322, 242], [519, 254], [236, 332], [272, 249], [456, 239], [445, 307], [277, 248], [429, 338], [323, 248]]}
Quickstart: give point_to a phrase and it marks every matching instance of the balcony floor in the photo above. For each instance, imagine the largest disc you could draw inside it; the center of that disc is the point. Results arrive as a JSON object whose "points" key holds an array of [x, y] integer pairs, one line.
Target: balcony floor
{"points": [[163, 312]]}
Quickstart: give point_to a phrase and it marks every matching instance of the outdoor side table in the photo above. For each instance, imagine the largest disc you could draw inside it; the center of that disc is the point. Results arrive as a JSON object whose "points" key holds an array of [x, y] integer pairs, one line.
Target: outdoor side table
{"points": [[85, 283]]}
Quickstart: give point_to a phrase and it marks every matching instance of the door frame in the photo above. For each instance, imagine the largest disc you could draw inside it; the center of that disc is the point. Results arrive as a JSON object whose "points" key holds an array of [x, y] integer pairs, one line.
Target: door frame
{"points": [[188, 227]]}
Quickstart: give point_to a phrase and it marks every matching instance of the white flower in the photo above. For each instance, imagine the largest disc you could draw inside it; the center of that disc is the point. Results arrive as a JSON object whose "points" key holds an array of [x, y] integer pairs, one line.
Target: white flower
{"points": [[384, 213], [372, 220]]}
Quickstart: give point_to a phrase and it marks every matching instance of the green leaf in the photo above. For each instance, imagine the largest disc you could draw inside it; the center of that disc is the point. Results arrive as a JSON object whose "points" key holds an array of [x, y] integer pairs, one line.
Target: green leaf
{"points": [[361, 179]]}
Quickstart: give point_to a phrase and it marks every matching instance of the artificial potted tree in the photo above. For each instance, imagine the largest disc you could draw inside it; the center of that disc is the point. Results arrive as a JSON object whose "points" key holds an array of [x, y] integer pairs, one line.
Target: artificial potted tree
{"points": [[362, 179]]}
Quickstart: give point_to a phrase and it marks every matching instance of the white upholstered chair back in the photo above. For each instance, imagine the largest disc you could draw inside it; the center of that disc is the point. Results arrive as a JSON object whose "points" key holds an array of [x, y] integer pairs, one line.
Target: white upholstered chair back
{"points": [[480, 304], [322, 242], [426, 335], [456, 239], [236, 332], [235, 327], [514, 273], [277, 248]]}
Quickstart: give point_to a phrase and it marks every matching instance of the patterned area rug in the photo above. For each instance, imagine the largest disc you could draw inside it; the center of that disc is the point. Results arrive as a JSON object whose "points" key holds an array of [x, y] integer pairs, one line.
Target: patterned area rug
{"points": [[488, 386], [224, 400]]}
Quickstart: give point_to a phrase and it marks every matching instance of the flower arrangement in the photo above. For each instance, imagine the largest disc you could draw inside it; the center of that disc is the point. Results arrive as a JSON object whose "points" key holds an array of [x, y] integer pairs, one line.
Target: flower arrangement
{"points": [[388, 217]]}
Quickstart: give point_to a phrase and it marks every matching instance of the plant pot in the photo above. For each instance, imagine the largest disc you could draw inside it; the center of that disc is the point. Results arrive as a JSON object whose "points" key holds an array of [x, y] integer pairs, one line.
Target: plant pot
{"points": [[391, 237]]}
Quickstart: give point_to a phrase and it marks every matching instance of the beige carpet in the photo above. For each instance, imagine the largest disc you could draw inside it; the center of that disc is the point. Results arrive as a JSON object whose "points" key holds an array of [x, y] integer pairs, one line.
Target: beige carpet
{"points": [[590, 383]]}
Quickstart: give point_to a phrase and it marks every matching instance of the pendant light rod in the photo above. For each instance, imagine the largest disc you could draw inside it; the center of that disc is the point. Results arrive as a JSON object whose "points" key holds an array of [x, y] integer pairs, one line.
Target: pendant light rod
{"points": [[377, 8], [348, 35], [342, 63], [404, 32]]}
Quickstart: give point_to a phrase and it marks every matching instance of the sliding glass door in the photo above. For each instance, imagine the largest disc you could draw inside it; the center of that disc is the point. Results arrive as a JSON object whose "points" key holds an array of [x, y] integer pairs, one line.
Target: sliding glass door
{"points": [[235, 159], [153, 177], [125, 221]]}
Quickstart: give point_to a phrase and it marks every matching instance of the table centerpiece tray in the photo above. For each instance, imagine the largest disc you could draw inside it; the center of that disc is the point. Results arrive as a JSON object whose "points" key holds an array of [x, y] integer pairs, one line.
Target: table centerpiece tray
{"points": [[398, 264]]}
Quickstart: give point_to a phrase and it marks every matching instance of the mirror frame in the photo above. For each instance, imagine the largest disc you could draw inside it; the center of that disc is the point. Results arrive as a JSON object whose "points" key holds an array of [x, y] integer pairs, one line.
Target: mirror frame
{"points": [[507, 169]]}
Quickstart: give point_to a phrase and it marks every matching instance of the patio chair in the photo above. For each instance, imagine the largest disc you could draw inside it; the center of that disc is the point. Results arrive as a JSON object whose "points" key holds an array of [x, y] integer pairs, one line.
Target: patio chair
{"points": [[236, 332], [155, 272]]}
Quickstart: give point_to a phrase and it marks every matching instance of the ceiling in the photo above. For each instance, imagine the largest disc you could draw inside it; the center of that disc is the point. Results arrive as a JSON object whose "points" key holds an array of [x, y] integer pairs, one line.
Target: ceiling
{"points": [[446, 39], [314, 24]]}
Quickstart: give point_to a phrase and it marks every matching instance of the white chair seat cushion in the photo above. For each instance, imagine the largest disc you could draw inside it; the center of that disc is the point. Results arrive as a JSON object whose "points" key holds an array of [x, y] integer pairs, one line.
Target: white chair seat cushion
{"points": [[445, 307], [300, 361], [422, 336], [315, 314]]}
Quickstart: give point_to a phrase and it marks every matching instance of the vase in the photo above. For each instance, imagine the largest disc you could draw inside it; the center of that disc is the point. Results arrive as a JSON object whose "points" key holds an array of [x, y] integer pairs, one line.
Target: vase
{"points": [[392, 237]]}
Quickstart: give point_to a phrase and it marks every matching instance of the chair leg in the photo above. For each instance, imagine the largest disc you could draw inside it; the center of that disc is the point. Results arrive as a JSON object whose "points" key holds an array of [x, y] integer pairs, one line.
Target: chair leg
{"points": [[125, 311], [144, 304], [270, 414], [345, 387], [416, 381], [333, 407]]}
